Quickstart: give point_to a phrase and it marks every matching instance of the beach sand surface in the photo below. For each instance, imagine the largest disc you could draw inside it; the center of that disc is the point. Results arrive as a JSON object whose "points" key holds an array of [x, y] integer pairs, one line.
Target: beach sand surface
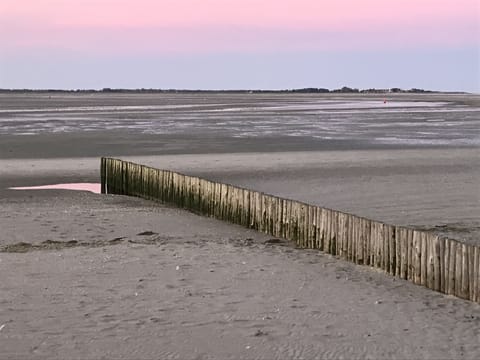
{"points": [[90, 276], [114, 277]]}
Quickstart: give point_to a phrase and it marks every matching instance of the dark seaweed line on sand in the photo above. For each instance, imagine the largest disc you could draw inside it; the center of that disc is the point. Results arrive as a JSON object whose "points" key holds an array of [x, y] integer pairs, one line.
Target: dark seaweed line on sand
{"points": [[23, 247], [148, 238], [145, 238]]}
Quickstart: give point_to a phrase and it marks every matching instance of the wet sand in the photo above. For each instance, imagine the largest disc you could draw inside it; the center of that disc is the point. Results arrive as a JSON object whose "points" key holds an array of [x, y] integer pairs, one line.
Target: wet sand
{"points": [[434, 189], [92, 276]]}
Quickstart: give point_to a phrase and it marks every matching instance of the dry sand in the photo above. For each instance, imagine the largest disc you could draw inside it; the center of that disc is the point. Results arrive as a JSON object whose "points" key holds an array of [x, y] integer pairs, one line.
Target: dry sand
{"points": [[88, 276], [133, 279]]}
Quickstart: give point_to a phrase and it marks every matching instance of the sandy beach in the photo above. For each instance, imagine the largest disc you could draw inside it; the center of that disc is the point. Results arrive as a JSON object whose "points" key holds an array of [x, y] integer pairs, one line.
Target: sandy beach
{"points": [[89, 276], [114, 277]]}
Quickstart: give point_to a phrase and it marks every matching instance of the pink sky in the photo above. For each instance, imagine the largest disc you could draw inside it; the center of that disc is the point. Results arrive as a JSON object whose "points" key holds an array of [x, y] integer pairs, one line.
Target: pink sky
{"points": [[164, 26]]}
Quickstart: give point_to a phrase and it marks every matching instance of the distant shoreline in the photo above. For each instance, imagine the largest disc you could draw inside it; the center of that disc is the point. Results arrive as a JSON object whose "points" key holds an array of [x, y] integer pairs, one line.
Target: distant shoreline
{"points": [[343, 90]]}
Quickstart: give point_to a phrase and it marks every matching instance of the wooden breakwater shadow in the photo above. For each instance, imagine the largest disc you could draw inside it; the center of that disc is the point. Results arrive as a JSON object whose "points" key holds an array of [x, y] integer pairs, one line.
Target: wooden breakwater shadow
{"points": [[440, 264]]}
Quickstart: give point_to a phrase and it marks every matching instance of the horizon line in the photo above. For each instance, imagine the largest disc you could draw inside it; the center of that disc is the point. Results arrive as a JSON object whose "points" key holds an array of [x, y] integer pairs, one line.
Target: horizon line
{"points": [[344, 89]]}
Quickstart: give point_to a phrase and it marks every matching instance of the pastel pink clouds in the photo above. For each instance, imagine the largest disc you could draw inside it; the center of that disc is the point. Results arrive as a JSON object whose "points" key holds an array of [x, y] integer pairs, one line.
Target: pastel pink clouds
{"points": [[218, 25], [269, 13]]}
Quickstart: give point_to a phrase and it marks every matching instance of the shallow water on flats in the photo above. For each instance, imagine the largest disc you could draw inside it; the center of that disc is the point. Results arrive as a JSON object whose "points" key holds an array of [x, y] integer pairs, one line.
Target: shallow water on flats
{"points": [[91, 187], [372, 120]]}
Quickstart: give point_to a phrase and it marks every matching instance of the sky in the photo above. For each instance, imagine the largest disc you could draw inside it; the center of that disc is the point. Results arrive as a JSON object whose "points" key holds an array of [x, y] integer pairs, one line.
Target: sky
{"points": [[240, 44]]}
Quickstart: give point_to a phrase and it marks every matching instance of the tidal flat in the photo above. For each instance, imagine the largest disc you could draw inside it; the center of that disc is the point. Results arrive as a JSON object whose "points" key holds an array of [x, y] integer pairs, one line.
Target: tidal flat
{"points": [[89, 275]]}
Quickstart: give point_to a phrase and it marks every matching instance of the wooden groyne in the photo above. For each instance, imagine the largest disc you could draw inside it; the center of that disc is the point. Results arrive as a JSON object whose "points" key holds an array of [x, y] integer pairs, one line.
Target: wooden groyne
{"points": [[444, 265]]}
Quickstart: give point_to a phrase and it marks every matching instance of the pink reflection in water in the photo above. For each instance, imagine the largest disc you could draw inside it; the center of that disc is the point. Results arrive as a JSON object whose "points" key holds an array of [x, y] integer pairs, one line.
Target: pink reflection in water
{"points": [[92, 187]]}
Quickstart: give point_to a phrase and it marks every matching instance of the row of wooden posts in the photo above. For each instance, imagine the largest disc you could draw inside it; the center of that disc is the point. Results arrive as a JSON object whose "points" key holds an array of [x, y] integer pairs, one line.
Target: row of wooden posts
{"points": [[444, 265]]}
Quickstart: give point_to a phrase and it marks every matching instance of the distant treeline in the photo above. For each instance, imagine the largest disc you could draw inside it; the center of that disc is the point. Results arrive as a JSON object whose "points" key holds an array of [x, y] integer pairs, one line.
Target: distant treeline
{"points": [[310, 90]]}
